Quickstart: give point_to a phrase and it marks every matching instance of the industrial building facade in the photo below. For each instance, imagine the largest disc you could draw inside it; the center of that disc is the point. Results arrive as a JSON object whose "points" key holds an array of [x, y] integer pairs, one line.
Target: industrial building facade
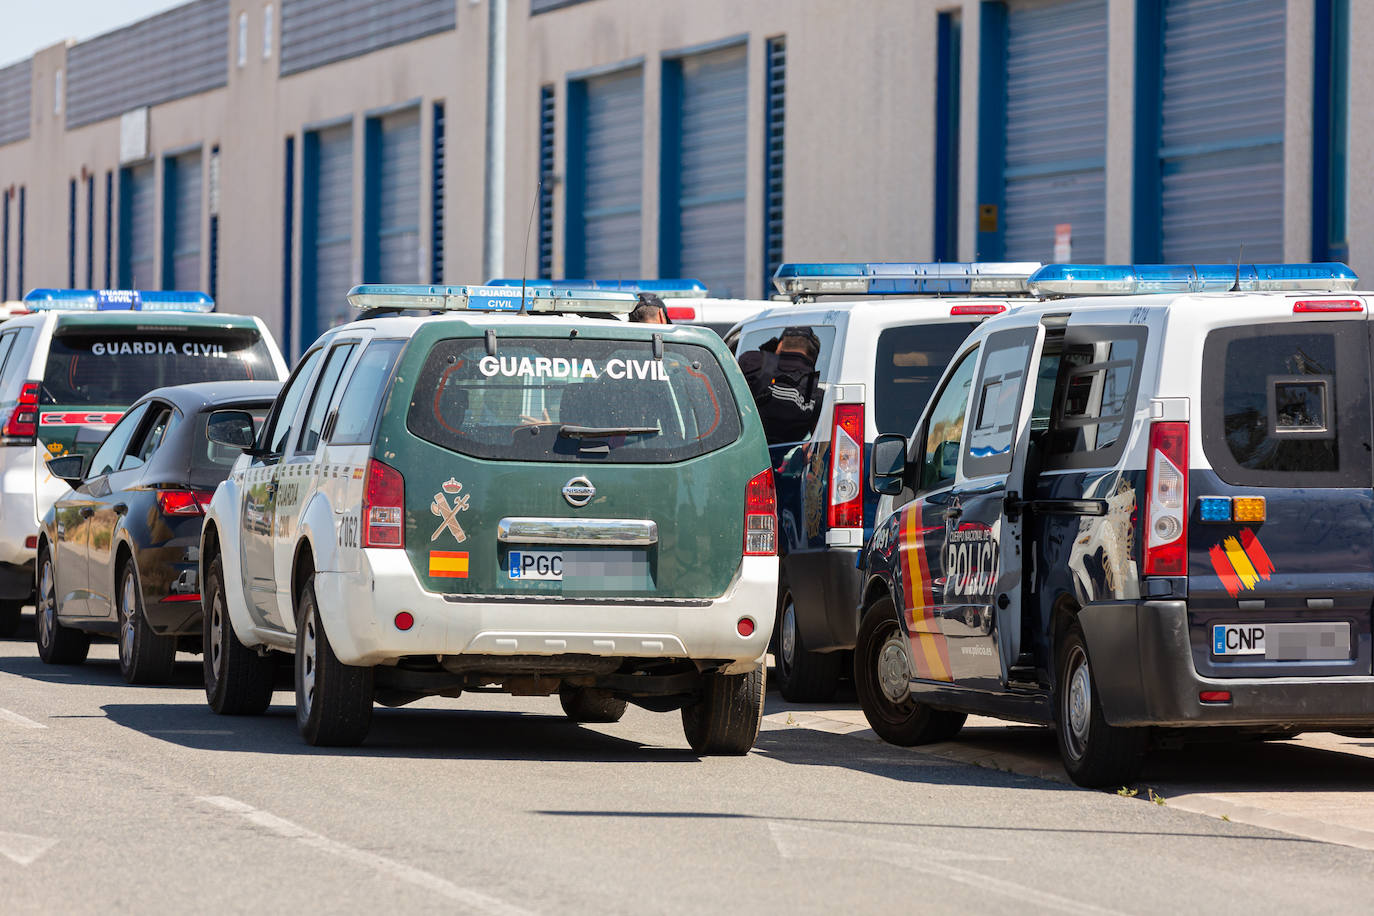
{"points": [[275, 153]]}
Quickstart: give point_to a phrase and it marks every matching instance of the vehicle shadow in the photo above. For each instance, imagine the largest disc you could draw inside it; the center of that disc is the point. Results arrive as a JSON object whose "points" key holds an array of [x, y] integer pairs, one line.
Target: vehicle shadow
{"points": [[100, 672]]}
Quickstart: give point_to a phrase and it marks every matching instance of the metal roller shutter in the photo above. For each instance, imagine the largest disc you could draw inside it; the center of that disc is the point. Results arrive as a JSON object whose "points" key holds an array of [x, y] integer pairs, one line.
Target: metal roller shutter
{"points": [[704, 160], [611, 157], [394, 196], [136, 227], [182, 270], [1056, 128], [1221, 130], [328, 236]]}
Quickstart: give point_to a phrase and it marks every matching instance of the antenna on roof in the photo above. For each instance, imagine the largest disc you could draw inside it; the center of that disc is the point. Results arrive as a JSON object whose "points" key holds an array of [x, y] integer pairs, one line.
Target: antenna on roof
{"points": [[525, 255], [1240, 256]]}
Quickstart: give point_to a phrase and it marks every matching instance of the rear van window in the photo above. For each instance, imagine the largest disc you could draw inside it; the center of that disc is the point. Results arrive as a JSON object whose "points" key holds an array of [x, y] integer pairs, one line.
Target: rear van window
{"points": [[119, 365], [1287, 404], [554, 399], [1096, 377], [908, 364]]}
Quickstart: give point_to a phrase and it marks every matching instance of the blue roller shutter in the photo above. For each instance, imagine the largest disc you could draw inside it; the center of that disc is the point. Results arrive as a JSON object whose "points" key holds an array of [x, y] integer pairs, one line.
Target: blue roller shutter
{"points": [[136, 227], [1221, 130], [705, 119], [181, 236], [393, 211], [606, 149], [1056, 128], [327, 236]]}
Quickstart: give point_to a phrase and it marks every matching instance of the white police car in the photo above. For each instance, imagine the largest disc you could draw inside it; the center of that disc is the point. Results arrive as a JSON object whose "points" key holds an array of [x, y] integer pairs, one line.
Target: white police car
{"points": [[68, 370], [885, 334], [540, 502], [1149, 507]]}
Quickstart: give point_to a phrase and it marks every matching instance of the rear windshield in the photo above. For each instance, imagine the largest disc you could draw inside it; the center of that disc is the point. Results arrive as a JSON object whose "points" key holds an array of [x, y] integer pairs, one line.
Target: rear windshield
{"points": [[910, 361], [120, 365], [1288, 404], [573, 400]]}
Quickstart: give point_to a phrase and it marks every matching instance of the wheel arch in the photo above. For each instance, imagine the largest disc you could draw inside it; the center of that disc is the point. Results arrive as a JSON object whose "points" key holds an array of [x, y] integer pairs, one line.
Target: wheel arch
{"points": [[302, 568]]}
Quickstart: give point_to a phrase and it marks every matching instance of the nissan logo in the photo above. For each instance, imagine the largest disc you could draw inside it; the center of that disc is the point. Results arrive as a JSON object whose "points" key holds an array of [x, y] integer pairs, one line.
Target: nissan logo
{"points": [[578, 491]]}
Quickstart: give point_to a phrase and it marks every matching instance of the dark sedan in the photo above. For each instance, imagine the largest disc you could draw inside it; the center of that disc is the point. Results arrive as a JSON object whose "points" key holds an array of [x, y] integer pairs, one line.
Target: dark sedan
{"points": [[118, 554]]}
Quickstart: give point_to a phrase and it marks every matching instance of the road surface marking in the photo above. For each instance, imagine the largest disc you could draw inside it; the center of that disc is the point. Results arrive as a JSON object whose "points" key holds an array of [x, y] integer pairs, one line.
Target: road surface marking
{"points": [[794, 842], [473, 900], [22, 848], [15, 719]]}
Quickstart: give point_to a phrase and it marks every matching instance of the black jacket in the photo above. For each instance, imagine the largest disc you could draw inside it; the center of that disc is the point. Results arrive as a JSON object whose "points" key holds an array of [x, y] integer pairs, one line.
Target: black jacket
{"points": [[784, 388]]}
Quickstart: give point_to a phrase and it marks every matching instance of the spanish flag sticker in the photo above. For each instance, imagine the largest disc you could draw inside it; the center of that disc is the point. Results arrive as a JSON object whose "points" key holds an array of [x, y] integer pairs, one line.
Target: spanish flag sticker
{"points": [[448, 564]]}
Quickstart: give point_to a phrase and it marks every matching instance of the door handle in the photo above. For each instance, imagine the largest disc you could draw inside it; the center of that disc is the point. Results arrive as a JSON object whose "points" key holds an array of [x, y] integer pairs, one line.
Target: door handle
{"points": [[121, 508], [953, 512], [86, 511]]}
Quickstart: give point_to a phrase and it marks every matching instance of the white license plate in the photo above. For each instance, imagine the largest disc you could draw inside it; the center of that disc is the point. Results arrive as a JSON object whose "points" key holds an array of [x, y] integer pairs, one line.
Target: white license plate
{"points": [[1230, 639], [540, 565], [1317, 641]]}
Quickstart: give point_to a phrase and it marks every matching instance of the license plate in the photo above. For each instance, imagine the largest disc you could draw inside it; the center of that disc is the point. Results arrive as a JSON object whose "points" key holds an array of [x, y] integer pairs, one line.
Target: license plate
{"points": [[540, 565], [1283, 641]]}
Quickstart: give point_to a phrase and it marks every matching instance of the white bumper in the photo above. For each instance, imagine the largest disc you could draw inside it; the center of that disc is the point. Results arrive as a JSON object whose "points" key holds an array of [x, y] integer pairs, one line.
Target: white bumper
{"points": [[18, 512], [359, 611]]}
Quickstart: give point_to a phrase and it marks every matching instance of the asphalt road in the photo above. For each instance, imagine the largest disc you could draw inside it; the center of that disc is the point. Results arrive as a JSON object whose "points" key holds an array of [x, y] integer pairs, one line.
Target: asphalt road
{"points": [[139, 799]]}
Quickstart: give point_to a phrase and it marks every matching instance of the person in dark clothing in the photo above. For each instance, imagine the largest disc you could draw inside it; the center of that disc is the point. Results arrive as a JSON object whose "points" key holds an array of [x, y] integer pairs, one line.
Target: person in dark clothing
{"points": [[650, 310], [782, 378]]}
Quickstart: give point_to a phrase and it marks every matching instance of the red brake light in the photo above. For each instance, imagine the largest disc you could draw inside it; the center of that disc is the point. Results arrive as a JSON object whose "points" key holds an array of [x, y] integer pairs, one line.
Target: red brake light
{"points": [[183, 502], [1328, 305], [1166, 502], [986, 308], [846, 509], [384, 502], [682, 313], [23, 420], [760, 516]]}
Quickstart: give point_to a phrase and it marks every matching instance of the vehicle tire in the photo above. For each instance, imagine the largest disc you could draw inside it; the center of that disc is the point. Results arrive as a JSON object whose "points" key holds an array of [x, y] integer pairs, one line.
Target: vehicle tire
{"points": [[725, 721], [238, 681], [57, 644], [803, 677], [9, 616], [144, 656], [1095, 754], [882, 679], [333, 700], [586, 704]]}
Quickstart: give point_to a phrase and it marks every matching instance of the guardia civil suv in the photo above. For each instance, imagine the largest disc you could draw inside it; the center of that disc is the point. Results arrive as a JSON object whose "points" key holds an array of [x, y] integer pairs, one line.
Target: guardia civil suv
{"points": [[469, 488], [68, 371]]}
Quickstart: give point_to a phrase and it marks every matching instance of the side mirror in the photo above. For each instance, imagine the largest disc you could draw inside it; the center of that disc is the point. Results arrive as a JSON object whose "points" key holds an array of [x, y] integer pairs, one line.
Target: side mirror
{"points": [[71, 469], [231, 428], [887, 466]]}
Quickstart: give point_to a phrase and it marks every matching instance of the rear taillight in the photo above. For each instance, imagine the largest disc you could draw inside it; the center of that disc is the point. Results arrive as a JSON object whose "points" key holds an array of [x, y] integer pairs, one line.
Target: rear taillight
{"points": [[23, 420], [682, 313], [183, 502], [384, 501], [760, 516], [1166, 517], [846, 508], [985, 308], [1328, 305]]}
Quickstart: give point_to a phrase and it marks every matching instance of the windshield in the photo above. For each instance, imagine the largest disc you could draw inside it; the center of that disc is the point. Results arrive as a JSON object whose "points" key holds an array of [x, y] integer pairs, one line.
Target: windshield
{"points": [[573, 400], [120, 365]]}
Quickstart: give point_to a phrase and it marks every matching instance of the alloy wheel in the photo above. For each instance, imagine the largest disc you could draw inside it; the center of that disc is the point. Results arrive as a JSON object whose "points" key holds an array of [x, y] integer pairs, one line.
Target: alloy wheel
{"points": [[127, 621], [308, 657]]}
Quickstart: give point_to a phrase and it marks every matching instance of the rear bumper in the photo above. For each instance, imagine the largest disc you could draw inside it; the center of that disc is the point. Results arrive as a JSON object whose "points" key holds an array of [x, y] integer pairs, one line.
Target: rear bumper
{"points": [[359, 610], [16, 581], [825, 588], [18, 518], [1143, 667]]}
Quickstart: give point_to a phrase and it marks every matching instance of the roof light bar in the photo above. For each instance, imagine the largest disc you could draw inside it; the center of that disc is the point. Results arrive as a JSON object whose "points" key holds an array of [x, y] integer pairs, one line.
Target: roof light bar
{"points": [[874, 279], [118, 300], [664, 289], [1131, 279], [538, 298]]}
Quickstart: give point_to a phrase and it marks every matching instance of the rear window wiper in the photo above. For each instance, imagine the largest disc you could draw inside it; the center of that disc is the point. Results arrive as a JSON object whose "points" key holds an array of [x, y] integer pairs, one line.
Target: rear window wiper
{"points": [[605, 432]]}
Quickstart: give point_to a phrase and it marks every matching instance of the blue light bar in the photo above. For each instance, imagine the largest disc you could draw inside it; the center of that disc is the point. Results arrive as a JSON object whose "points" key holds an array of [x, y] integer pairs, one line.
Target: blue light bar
{"points": [[1131, 279], [664, 289], [118, 300], [541, 298], [876, 279]]}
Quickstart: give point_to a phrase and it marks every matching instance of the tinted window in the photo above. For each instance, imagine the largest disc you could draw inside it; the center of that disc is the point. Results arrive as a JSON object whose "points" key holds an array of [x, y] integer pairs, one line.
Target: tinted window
{"points": [[362, 397], [1288, 404], [321, 397], [997, 402], [1098, 373], [939, 453], [16, 368], [6, 345], [289, 400], [573, 400], [150, 438], [909, 362], [757, 338], [107, 458], [120, 365]]}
